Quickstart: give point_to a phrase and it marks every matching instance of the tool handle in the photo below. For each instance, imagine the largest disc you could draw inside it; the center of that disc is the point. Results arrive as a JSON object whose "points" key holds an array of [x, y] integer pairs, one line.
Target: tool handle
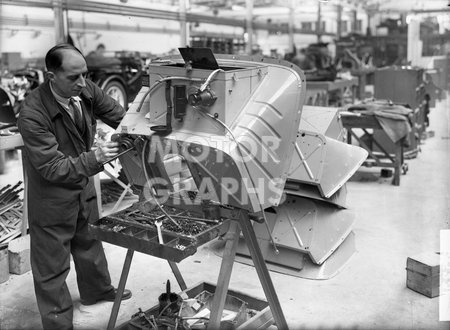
{"points": [[117, 156]]}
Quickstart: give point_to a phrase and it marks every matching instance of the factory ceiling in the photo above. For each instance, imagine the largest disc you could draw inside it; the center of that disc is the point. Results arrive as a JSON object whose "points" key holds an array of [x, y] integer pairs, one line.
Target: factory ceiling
{"points": [[372, 5]]}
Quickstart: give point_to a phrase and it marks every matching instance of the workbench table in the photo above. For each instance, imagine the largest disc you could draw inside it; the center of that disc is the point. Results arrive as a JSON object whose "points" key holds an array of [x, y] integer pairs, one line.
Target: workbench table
{"points": [[353, 121]]}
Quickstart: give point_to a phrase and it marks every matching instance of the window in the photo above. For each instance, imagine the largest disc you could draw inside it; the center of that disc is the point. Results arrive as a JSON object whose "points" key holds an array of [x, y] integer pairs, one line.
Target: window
{"points": [[344, 26], [307, 26], [358, 26]]}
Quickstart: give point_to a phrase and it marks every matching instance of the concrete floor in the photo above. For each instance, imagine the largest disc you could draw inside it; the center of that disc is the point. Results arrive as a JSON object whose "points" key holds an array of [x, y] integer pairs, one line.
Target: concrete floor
{"points": [[370, 292]]}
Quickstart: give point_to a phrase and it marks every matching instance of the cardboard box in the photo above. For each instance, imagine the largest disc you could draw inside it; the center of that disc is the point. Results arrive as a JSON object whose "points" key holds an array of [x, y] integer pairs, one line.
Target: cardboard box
{"points": [[19, 255], [422, 274], [4, 265]]}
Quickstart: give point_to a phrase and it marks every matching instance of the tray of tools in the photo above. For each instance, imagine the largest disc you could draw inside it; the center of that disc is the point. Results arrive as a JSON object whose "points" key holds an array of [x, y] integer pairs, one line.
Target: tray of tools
{"points": [[172, 235], [241, 311]]}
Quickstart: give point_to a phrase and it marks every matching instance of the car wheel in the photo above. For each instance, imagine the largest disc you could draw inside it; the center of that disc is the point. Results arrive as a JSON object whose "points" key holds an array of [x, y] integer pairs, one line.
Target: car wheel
{"points": [[116, 90]]}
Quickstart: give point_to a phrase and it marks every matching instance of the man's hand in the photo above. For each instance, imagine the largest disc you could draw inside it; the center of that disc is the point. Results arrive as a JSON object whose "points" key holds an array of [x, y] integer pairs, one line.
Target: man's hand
{"points": [[106, 150]]}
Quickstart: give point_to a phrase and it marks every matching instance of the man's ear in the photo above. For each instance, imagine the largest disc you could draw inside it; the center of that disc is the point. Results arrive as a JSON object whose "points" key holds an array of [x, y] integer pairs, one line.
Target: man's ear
{"points": [[50, 75]]}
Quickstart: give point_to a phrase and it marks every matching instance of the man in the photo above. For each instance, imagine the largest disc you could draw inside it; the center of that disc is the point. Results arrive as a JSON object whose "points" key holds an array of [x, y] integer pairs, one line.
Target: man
{"points": [[58, 123], [97, 58]]}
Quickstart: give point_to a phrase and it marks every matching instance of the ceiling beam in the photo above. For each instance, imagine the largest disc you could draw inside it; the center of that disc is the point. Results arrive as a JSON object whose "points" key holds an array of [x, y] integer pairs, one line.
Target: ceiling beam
{"points": [[115, 9], [430, 11]]}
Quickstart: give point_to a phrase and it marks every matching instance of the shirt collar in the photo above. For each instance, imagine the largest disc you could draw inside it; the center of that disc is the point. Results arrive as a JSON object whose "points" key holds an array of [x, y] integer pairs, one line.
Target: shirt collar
{"points": [[62, 100]]}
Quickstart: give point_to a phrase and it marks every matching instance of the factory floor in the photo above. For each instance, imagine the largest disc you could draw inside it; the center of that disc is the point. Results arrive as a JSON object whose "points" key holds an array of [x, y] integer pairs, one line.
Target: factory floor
{"points": [[392, 223]]}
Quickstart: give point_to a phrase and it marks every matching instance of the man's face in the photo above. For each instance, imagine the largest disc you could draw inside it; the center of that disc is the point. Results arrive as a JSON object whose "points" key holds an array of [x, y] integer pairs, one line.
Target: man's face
{"points": [[69, 80]]}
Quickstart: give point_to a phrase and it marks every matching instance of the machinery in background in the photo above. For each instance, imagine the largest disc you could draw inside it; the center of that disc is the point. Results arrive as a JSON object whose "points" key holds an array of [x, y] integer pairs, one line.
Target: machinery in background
{"points": [[405, 85], [14, 87], [119, 75], [219, 43], [365, 122], [389, 46], [316, 62]]}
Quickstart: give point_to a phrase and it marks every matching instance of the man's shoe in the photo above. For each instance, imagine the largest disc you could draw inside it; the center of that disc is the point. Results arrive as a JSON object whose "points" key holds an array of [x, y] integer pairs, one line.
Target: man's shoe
{"points": [[110, 296]]}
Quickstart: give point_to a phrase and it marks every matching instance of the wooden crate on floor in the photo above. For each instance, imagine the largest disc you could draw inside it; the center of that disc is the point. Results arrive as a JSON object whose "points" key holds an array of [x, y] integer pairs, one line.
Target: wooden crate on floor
{"points": [[422, 274]]}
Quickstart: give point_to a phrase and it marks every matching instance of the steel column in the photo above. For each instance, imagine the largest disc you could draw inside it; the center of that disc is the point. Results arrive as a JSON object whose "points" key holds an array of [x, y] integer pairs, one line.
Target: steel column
{"points": [[319, 21], [184, 31], [249, 26], [291, 26], [339, 20], [354, 20], [59, 21]]}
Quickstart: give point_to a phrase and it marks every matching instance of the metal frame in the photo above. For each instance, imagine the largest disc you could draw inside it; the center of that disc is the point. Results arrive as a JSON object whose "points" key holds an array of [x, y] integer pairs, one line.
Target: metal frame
{"points": [[240, 222], [396, 161]]}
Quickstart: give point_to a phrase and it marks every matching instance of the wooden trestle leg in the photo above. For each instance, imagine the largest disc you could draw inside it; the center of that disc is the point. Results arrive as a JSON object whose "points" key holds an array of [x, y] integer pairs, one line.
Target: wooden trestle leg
{"points": [[123, 281], [227, 267], [263, 272]]}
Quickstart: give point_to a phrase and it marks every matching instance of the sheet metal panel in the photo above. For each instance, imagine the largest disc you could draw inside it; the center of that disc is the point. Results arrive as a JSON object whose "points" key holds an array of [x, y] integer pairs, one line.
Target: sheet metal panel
{"points": [[259, 104], [323, 120], [324, 162]]}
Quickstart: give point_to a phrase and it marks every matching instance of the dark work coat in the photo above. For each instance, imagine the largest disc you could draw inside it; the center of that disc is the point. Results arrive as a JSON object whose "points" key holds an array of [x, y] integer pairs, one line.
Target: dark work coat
{"points": [[58, 160]]}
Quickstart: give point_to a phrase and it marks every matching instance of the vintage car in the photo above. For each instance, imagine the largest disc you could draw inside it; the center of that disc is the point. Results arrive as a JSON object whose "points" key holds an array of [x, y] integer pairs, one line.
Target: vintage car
{"points": [[119, 74]]}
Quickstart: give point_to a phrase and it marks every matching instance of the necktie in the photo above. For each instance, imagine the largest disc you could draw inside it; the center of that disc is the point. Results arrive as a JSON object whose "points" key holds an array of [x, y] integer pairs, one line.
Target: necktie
{"points": [[77, 118]]}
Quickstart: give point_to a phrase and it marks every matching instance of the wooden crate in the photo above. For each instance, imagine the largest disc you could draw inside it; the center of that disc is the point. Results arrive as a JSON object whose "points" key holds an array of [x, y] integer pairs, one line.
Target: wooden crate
{"points": [[422, 274]]}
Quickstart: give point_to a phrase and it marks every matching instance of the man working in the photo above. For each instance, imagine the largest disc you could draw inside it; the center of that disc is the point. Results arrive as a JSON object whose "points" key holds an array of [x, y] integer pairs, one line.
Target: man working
{"points": [[97, 58], [58, 123]]}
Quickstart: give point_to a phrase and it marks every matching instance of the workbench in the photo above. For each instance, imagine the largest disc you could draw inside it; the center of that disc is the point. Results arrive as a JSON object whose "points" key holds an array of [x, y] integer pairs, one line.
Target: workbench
{"points": [[404, 85], [354, 121], [318, 92], [119, 230], [14, 141]]}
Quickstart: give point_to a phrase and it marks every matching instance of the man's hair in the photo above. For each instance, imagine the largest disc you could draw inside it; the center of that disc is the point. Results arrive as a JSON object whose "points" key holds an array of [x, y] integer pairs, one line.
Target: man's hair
{"points": [[54, 57], [101, 46]]}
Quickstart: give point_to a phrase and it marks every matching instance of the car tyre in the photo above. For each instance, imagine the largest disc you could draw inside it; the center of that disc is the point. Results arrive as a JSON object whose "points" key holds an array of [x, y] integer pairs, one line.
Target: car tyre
{"points": [[117, 91]]}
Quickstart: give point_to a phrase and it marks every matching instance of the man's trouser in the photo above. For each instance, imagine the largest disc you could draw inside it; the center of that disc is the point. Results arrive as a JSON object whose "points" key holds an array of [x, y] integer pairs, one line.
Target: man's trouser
{"points": [[52, 242]]}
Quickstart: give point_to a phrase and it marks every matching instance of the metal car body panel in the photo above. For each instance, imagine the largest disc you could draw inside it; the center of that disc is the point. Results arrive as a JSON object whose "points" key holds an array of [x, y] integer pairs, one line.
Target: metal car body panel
{"points": [[314, 239], [323, 120], [339, 198], [324, 162], [250, 112]]}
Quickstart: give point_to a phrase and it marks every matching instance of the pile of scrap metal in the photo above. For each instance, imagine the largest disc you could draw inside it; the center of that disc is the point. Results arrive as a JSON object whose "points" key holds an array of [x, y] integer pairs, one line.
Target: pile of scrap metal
{"points": [[224, 133], [10, 213]]}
